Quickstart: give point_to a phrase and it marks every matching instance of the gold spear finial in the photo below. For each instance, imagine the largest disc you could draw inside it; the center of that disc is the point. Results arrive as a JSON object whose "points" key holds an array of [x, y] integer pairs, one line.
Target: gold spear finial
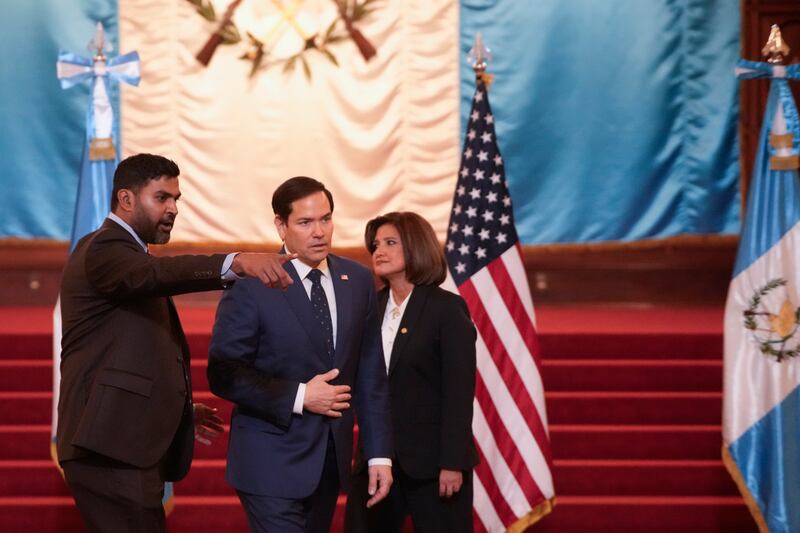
{"points": [[782, 141], [479, 56], [776, 48], [99, 44]]}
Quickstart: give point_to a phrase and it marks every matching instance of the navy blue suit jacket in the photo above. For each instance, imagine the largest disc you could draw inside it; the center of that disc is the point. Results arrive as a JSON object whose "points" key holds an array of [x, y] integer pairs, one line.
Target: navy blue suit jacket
{"points": [[265, 343]]}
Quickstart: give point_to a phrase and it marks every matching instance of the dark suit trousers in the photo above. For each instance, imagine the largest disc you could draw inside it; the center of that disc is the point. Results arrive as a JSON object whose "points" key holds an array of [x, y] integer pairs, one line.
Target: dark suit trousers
{"points": [[114, 496], [269, 514], [429, 512]]}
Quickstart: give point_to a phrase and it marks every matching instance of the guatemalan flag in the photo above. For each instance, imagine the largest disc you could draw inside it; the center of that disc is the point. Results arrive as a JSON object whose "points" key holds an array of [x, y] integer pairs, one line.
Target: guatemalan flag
{"points": [[761, 407]]}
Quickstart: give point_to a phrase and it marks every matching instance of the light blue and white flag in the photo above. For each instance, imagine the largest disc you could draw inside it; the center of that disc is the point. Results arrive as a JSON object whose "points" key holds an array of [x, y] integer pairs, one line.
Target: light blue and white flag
{"points": [[761, 407]]}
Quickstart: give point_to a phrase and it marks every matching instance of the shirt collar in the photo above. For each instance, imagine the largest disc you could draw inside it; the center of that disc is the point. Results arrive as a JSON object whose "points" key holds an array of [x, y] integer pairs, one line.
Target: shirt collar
{"points": [[129, 229], [402, 306], [303, 269]]}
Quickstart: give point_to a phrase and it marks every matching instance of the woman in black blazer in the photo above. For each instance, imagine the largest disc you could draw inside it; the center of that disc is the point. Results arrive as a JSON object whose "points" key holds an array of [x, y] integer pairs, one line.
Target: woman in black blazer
{"points": [[429, 348]]}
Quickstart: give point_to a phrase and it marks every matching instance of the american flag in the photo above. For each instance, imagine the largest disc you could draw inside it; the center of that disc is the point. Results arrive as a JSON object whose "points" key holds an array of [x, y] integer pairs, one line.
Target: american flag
{"points": [[513, 485]]}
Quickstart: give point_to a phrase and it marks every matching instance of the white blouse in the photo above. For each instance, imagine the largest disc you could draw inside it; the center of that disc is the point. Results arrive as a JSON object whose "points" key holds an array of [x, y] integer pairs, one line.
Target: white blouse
{"points": [[391, 323]]}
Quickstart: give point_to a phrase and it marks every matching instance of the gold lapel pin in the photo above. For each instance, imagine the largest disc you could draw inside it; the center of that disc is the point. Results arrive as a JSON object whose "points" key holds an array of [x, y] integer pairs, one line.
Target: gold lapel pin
{"points": [[403, 330]]}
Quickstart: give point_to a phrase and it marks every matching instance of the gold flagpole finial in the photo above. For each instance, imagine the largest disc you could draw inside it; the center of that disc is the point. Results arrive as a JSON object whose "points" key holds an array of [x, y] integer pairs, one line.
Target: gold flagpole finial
{"points": [[479, 56], [776, 48], [99, 44]]}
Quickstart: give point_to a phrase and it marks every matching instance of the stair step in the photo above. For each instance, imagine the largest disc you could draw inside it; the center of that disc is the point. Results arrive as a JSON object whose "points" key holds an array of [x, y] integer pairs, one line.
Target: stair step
{"points": [[596, 407], [600, 345], [632, 374], [571, 514], [573, 477], [637, 441], [25, 441], [648, 514], [579, 441], [26, 374], [603, 477], [31, 478], [59, 514], [664, 345], [32, 441], [190, 514], [558, 375], [603, 407], [26, 345], [26, 407]]}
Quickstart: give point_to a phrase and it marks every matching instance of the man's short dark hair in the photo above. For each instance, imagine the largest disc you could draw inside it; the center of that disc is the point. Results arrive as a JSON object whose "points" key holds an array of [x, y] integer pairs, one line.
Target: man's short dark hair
{"points": [[135, 171], [294, 189]]}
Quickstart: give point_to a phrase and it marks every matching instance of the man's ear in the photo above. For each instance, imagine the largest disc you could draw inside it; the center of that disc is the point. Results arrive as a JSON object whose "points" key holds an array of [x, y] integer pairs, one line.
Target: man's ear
{"points": [[126, 200], [280, 225]]}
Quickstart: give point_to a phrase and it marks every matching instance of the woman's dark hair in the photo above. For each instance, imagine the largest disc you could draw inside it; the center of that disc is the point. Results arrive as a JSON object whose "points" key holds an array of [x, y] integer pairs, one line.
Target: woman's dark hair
{"points": [[135, 171], [295, 189], [424, 256]]}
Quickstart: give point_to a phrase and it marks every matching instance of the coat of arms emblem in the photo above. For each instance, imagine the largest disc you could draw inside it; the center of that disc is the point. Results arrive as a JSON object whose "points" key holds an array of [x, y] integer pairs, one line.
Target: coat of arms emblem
{"points": [[773, 329]]}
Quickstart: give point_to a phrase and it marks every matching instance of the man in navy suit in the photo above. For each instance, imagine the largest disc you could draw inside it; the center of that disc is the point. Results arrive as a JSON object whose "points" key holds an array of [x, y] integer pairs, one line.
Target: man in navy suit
{"points": [[292, 361]]}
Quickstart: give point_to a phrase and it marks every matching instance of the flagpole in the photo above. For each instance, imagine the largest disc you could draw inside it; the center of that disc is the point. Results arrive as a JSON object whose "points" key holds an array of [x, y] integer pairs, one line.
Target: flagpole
{"points": [[513, 481], [761, 393]]}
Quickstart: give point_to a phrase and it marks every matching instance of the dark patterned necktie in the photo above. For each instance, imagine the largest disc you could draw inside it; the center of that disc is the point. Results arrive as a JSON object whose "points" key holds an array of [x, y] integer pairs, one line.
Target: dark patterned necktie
{"points": [[319, 305]]}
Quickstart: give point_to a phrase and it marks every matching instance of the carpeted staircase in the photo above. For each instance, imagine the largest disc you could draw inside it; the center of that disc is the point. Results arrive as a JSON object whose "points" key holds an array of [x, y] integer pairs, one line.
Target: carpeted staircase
{"points": [[634, 418]]}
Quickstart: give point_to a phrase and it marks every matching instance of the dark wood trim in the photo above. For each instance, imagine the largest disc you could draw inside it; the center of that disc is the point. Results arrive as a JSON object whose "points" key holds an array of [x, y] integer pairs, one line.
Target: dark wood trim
{"points": [[685, 270], [678, 251]]}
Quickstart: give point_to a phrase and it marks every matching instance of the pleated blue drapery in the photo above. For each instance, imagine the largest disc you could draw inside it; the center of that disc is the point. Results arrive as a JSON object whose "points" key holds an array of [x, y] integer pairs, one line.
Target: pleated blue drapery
{"points": [[616, 119], [43, 126]]}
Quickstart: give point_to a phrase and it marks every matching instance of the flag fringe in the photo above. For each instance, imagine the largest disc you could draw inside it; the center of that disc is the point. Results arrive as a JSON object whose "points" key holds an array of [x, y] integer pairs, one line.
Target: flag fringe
{"points": [[536, 514], [54, 457], [169, 505], [736, 474]]}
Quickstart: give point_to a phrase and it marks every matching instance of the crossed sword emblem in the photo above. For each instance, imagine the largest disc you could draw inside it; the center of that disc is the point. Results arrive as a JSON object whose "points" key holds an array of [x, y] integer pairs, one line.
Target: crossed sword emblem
{"points": [[288, 18]]}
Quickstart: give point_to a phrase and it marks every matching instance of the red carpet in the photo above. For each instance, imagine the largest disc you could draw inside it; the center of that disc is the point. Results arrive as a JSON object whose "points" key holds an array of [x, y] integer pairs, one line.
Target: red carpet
{"points": [[633, 398]]}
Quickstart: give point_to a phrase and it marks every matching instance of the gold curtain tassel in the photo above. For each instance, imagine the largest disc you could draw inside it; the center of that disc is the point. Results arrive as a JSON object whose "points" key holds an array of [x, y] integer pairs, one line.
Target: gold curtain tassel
{"points": [[486, 78]]}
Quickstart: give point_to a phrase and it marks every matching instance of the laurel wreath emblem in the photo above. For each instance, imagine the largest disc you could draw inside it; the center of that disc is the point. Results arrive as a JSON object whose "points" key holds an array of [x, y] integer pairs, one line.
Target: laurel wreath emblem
{"points": [[259, 53], [773, 331]]}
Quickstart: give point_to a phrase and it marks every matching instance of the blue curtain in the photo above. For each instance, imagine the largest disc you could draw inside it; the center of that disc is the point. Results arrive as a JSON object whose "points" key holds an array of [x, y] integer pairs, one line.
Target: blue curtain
{"points": [[42, 135], [616, 118]]}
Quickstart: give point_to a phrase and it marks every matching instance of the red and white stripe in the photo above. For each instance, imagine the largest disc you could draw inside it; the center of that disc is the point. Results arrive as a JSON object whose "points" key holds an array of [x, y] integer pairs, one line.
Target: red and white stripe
{"points": [[510, 420]]}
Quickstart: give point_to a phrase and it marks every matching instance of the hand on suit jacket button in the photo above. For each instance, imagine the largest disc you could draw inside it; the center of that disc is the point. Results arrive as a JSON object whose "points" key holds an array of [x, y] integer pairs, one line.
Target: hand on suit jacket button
{"points": [[325, 399], [449, 482], [207, 425], [380, 480], [266, 267]]}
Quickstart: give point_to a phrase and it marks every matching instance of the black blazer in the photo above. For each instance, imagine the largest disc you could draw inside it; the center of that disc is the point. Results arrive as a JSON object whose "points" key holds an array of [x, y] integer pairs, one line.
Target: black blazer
{"points": [[125, 387], [432, 383]]}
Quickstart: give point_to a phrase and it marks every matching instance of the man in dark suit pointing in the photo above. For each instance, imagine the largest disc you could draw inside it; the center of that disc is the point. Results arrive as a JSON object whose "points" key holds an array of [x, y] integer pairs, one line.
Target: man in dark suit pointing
{"points": [[126, 421], [292, 361]]}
